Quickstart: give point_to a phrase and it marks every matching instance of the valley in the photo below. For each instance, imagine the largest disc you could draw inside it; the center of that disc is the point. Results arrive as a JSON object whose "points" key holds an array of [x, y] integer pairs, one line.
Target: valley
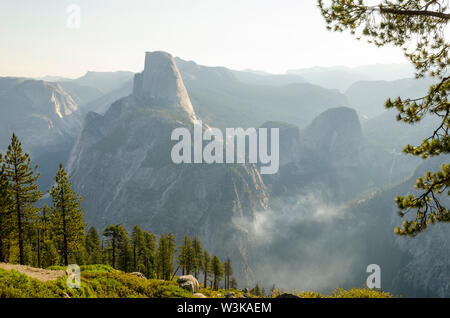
{"points": [[315, 224]]}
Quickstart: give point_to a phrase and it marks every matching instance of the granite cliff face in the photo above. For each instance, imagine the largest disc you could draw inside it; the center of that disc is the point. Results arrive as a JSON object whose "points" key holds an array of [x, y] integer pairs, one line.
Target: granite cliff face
{"points": [[226, 98], [332, 156], [121, 166], [45, 118], [411, 267], [328, 236], [40, 113], [161, 83]]}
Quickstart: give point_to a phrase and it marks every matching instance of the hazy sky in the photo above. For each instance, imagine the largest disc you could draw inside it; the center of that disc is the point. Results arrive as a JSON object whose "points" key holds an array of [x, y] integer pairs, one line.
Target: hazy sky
{"points": [[269, 35]]}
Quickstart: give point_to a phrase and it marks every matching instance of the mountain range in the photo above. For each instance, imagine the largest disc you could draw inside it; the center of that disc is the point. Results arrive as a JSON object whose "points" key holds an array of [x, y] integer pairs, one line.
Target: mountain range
{"points": [[45, 118], [342, 77], [329, 208]]}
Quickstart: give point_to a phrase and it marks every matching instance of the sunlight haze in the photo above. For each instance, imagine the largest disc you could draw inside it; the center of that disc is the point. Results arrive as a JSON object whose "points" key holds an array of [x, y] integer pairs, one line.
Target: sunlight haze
{"points": [[267, 35]]}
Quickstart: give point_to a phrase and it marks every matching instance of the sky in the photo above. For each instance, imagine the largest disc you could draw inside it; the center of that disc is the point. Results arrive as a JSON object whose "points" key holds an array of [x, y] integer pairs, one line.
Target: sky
{"points": [[266, 35]]}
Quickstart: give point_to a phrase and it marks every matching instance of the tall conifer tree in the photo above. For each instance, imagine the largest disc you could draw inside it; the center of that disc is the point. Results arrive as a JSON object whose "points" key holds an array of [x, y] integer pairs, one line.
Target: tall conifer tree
{"points": [[6, 220], [67, 215], [217, 270], [22, 180], [93, 246], [206, 266], [197, 250]]}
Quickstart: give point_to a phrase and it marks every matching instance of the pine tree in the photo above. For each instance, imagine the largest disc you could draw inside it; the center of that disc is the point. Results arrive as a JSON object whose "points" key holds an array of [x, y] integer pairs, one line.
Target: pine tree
{"points": [[263, 292], [48, 251], [24, 191], [125, 261], [39, 231], [273, 289], [161, 256], [206, 267], [67, 215], [111, 235], [165, 256], [93, 246], [228, 272], [6, 214], [50, 255], [197, 251], [418, 27], [186, 256], [118, 244], [138, 245], [256, 291], [149, 255], [217, 270], [233, 283], [172, 245]]}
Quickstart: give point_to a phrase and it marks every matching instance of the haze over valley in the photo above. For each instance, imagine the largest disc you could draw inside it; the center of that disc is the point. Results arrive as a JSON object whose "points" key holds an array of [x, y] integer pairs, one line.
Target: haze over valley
{"points": [[317, 224]]}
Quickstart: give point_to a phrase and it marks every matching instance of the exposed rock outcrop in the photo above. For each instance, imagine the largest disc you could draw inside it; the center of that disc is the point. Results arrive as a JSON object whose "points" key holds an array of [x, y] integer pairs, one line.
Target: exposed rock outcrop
{"points": [[138, 274], [44, 117], [189, 283], [121, 165], [160, 83], [40, 113]]}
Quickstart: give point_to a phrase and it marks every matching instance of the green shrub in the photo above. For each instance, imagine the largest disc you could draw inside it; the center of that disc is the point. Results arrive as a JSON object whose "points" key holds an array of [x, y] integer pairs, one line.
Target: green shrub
{"points": [[17, 285], [211, 293], [100, 268], [104, 282], [123, 285], [339, 293], [309, 294], [96, 281], [360, 293], [87, 268]]}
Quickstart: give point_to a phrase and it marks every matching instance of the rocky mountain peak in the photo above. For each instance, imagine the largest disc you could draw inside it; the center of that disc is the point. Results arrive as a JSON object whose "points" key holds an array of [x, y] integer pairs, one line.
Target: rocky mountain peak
{"points": [[335, 134], [335, 123], [160, 84]]}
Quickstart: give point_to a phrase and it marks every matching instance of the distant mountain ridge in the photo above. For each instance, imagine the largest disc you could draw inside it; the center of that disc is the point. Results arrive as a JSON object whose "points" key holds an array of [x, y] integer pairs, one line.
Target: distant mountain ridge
{"points": [[52, 110], [380, 125], [122, 168], [368, 97], [218, 94], [104, 81], [342, 77], [302, 220], [45, 118]]}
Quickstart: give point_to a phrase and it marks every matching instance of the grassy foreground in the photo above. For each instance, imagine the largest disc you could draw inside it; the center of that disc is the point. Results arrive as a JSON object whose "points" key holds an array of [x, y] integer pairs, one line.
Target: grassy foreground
{"points": [[100, 281]]}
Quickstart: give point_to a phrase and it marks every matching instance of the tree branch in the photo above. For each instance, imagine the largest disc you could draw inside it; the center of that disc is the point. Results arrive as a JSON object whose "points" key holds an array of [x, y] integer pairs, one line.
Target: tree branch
{"points": [[440, 15]]}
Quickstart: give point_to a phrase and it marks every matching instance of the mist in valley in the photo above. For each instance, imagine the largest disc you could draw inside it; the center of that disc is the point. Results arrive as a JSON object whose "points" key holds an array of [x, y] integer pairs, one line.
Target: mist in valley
{"points": [[302, 228]]}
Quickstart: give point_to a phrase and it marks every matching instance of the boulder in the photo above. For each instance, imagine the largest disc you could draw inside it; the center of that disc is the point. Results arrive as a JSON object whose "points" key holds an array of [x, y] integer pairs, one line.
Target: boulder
{"points": [[199, 295], [230, 295], [189, 283], [140, 275]]}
